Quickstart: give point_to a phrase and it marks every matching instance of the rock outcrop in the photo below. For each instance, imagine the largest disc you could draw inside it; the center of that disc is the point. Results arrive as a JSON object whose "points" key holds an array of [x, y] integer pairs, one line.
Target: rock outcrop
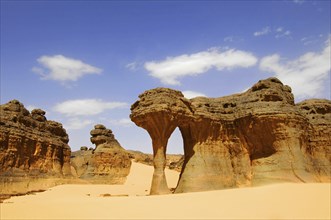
{"points": [[108, 163], [173, 161], [32, 149], [256, 137], [32, 144]]}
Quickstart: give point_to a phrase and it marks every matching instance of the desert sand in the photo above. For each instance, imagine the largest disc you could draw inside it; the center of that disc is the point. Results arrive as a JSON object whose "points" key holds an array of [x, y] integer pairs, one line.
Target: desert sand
{"points": [[129, 201]]}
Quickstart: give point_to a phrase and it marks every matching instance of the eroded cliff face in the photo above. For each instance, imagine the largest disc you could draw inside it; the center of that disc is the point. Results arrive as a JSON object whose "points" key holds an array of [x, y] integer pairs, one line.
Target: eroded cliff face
{"points": [[31, 144], [318, 151], [256, 137], [34, 153], [108, 163]]}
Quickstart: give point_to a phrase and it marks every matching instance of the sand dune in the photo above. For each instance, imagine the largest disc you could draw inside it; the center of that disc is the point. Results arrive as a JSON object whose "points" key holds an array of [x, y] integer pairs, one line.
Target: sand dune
{"points": [[128, 201]]}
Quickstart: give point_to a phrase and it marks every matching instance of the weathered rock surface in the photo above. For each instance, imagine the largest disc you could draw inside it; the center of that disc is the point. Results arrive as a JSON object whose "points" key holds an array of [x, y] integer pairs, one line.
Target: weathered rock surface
{"points": [[176, 164], [31, 143], [108, 163], [31, 148], [256, 137]]}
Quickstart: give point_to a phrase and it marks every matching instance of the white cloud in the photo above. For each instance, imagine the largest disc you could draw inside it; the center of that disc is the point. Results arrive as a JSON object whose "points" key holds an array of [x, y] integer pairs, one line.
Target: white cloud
{"points": [[279, 32], [169, 70], [279, 29], [282, 34], [311, 39], [191, 94], [132, 66], [264, 31], [77, 123], [232, 39], [125, 122], [286, 33], [305, 74], [308, 40], [85, 107], [63, 69], [228, 39]]}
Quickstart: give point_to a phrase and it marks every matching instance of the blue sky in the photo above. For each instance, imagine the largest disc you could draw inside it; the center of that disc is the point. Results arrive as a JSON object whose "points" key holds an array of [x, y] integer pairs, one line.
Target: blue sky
{"points": [[86, 62]]}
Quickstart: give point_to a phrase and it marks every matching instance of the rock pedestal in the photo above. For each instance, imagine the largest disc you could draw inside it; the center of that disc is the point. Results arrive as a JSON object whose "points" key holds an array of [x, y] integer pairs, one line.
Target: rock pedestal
{"points": [[256, 137]]}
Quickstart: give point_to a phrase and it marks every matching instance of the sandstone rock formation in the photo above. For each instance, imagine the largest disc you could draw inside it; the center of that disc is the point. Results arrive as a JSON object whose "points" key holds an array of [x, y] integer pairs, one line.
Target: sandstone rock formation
{"points": [[33, 150], [256, 137], [173, 161], [177, 164], [108, 163], [30, 143]]}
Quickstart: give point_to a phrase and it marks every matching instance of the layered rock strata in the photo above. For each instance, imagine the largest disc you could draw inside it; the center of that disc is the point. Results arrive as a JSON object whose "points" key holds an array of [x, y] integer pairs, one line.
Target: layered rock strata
{"points": [[256, 137], [107, 163], [32, 149], [30, 143]]}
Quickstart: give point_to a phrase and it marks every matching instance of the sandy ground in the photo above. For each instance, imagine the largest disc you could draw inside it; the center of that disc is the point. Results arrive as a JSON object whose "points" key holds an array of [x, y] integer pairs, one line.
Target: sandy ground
{"points": [[128, 201]]}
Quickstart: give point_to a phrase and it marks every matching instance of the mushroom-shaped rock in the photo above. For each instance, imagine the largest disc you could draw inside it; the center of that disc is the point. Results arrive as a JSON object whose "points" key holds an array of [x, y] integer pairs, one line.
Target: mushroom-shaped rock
{"points": [[159, 112], [252, 138]]}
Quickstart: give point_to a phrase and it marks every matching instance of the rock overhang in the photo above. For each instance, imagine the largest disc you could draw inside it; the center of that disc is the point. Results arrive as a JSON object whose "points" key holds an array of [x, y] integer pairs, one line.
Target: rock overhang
{"points": [[253, 125]]}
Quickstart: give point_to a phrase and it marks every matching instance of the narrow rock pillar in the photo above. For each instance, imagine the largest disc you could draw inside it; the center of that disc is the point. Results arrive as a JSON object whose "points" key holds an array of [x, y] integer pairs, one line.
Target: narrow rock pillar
{"points": [[160, 135], [159, 182]]}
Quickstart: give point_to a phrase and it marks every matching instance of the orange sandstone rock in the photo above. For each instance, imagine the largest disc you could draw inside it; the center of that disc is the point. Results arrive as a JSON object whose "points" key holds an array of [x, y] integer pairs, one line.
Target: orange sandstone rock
{"points": [[256, 137], [31, 144], [108, 163]]}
